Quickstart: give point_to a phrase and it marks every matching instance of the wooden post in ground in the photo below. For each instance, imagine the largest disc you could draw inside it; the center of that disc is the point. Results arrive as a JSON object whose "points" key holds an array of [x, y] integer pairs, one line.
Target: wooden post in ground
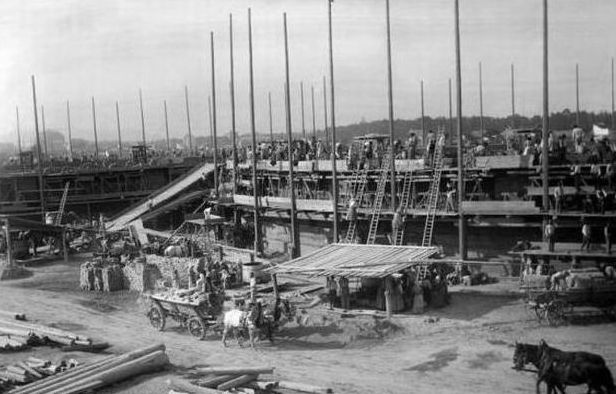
{"points": [[295, 251], [333, 123], [232, 97], [68, 124], [253, 132], [481, 127], [271, 127], [512, 97], [142, 118], [388, 297], [546, 113], [301, 90], [390, 91], [166, 126], [117, 105], [9, 247], [190, 145], [94, 128], [64, 246], [214, 115], [461, 185], [577, 94], [18, 133], [314, 120], [44, 131], [325, 128]]}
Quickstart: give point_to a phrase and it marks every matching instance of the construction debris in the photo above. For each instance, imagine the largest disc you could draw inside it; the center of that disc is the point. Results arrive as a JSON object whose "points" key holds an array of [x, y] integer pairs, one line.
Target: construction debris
{"points": [[108, 371], [241, 380], [31, 370]]}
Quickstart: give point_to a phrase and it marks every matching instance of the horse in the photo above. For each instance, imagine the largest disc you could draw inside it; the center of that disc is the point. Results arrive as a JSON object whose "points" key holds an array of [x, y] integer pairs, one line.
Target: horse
{"points": [[175, 251], [526, 353], [574, 368], [559, 369], [236, 321]]}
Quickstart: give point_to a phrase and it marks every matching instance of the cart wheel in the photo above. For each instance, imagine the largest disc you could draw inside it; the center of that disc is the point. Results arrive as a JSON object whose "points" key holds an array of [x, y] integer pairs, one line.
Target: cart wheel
{"points": [[157, 318], [196, 327], [556, 312]]}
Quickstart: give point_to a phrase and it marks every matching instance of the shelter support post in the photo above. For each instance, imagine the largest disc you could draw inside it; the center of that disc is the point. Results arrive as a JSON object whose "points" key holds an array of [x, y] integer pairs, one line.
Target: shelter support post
{"points": [[388, 300]]}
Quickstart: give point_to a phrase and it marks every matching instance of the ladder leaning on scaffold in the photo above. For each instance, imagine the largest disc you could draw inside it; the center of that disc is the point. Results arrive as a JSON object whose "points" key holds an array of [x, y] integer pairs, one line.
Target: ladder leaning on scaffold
{"points": [[433, 199], [378, 201], [60, 214], [398, 236], [360, 179]]}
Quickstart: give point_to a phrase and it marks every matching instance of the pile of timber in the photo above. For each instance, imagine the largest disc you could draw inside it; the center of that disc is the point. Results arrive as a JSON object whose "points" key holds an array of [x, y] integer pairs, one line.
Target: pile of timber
{"points": [[101, 274], [110, 370], [16, 335], [31, 370], [241, 380], [140, 276]]}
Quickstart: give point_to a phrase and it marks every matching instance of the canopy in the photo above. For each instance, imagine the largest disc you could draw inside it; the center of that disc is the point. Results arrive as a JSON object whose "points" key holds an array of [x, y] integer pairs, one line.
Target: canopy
{"points": [[352, 260]]}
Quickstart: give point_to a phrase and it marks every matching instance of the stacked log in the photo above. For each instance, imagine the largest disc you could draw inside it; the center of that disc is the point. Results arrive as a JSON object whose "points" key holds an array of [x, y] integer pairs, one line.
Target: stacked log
{"points": [[101, 275], [242, 379], [14, 332], [108, 371], [167, 266], [30, 370]]}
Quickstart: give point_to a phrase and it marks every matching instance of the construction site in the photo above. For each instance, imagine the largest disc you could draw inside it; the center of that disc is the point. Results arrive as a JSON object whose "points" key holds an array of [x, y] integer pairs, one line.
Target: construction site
{"points": [[449, 254]]}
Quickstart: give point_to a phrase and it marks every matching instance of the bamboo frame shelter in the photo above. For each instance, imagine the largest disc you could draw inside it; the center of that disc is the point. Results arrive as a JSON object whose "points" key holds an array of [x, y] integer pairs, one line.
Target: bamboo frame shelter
{"points": [[358, 261]]}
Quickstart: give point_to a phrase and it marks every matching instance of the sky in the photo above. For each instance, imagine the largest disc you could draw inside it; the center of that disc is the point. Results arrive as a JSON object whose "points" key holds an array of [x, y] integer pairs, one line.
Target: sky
{"points": [[109, 49]]}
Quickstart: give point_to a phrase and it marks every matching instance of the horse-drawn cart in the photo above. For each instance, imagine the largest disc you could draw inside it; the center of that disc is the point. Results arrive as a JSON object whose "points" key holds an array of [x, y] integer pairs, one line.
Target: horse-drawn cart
{"points": [[195, 311], [556, 305]]}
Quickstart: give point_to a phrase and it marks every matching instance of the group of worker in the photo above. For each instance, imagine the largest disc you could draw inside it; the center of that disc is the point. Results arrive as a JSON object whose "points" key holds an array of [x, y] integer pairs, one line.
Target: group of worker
{"points": [[549, 234]]}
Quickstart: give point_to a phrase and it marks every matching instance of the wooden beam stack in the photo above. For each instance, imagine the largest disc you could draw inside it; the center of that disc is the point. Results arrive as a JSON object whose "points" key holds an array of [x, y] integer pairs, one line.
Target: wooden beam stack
{"points": [[105, 372], [241, 380], [30, 370]]}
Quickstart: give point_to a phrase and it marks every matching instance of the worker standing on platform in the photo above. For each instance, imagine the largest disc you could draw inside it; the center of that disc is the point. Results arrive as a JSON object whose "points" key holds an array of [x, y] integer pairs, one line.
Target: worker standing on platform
{"points": [[586, 232], [396, 223], [558, 197], [549, 232], [607, 233]]}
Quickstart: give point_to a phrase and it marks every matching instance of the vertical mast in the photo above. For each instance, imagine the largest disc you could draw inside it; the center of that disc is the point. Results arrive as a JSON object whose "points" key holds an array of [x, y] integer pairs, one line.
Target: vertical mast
{"points": [[271, 127], [190, 144], [391, 111], [577, 94], [18, 133], [209, 109], [117, 106], [314, 119], [295, 251], [94, 129], [613, 109], [423, 118], [166, 126], [480, 101], [36, 126], [253, 133], [68, 124], [232, 97], [546, 113], [325, 129], [44, 131], [333, 123], [214, 115], [461, 220], [301, 89], [451, 133], [142, 118], [512, 96]]}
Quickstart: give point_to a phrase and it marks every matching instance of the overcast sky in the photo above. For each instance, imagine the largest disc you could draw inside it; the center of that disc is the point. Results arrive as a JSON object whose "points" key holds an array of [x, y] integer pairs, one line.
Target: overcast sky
{"points": [[110, 48]]}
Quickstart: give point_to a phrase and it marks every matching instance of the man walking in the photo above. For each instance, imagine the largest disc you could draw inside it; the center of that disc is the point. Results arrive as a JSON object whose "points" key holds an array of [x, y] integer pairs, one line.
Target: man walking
{"points": [[586, 232], [549, 232]]}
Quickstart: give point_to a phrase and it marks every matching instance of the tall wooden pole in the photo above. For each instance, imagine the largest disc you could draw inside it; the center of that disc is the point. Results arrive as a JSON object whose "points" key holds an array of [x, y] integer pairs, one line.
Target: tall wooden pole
{"points": [[142, 118], [190, 144], [232, 97], [451, 132], [481, 101], [253, 133], [333, 124], [325, 127], [423, 117], [36, 127], [119, 127], [44, 130], [18, 133], [68, 124], [577, 94], [167, 126], [546, 112], [461, 221], [295, 250], [613, 108], [314, 119], [209, 109], [512, 96], [38, 151], [9, 245], [94, 129], [391, 111], [214, 115], [301, 89], [271, 126]]}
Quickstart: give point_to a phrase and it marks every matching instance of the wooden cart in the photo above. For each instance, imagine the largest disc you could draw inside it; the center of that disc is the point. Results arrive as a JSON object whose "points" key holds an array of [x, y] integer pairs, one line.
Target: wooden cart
{"points": [[197, 312], [555, 306]]}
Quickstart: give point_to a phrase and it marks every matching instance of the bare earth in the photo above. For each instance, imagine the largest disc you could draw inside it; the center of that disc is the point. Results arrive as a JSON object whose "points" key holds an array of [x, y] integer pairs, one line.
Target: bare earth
{"points": [[464, 348]]}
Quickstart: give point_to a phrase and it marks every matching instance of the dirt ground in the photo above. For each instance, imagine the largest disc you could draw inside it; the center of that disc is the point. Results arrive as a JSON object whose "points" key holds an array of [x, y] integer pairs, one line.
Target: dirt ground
{"points": [[465, 347]]}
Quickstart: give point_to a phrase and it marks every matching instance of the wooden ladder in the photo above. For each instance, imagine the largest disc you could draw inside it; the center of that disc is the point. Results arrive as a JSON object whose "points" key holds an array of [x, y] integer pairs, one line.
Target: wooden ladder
{"points": [[358, 194], [433, 195], [398, 237], [60, 214], [378, 201]]}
